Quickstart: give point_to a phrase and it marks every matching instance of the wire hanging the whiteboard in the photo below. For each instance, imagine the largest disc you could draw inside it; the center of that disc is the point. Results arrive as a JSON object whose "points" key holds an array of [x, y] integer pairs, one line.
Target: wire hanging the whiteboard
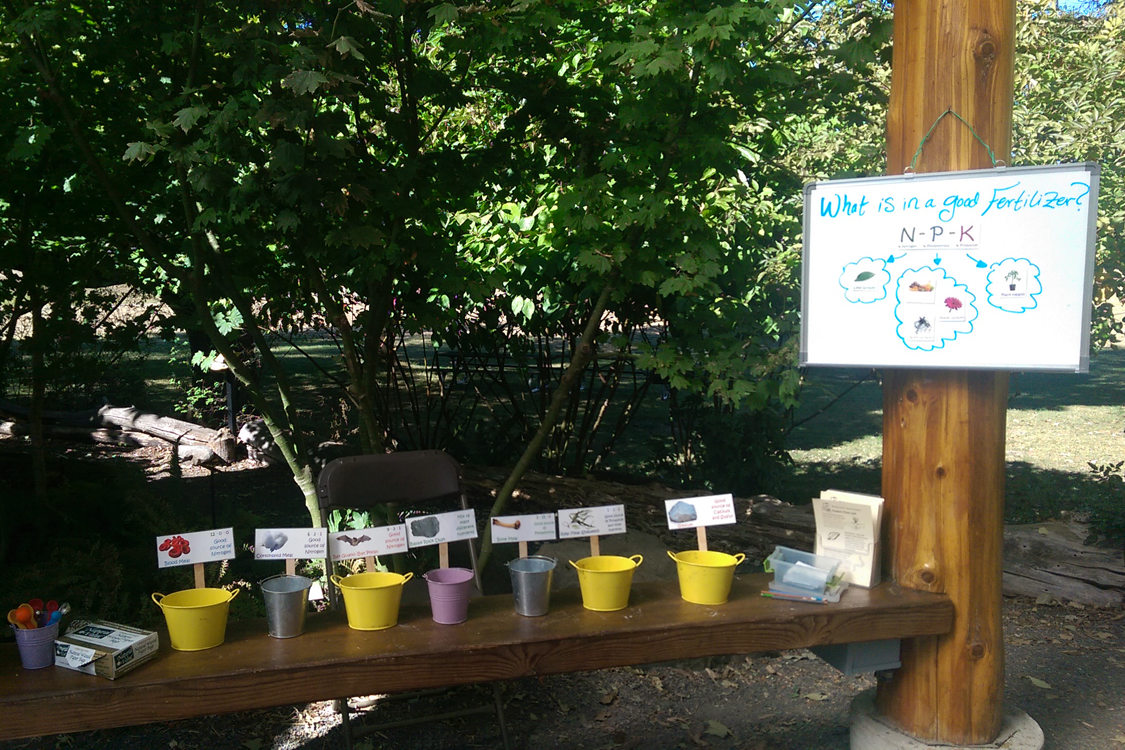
{"points": [[926, 137]]}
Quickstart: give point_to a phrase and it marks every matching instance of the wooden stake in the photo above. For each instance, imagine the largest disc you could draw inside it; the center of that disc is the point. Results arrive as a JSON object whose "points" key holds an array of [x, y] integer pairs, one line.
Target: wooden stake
{"points": [[943, 431], [443, 555], [595, 546], [200, 580], [369, 564], [523, 549], [701, 536], [290, 567]]}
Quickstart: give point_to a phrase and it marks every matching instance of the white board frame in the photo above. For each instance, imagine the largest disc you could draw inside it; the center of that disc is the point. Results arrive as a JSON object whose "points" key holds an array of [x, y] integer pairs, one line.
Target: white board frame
{"points": [[848, 323]]}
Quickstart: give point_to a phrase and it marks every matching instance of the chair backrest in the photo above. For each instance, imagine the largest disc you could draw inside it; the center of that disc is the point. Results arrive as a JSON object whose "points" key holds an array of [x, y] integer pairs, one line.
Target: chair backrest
{"points": [[419, 479], [377, 479]]}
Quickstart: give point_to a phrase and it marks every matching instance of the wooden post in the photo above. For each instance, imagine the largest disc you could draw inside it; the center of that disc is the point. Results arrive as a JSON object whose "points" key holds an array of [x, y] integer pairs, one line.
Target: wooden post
{"points": [[944, 431]]}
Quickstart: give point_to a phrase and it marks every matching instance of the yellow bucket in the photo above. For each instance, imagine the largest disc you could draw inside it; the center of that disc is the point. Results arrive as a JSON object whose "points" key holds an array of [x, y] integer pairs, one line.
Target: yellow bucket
{"points": [[371, 599], [705, 577], [605, 581], [196, 618]]}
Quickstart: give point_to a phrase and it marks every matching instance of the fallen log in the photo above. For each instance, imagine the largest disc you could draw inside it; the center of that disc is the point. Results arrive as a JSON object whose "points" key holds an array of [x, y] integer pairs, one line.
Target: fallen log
{"points": [[194, 442]]}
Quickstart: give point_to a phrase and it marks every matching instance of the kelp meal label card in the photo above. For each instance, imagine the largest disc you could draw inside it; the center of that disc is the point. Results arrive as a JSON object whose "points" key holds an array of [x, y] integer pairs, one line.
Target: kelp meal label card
{"points": [[598, 521], [692, 512], [442, 528], [194, 547], [531, 527], [290, 544], [352, 544], [980, 269]]}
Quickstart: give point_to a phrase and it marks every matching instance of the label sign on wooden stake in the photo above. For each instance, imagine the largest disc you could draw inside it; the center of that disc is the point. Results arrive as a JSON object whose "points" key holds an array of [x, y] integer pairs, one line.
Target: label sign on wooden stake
{"points": [[599, 521], [290, 544], [442, 528], [535, 527], [195, 547], [692, 512], [352, 544]]}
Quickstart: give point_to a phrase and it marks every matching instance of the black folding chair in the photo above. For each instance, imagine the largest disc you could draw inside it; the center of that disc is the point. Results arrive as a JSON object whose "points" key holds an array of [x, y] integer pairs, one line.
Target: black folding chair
{"points": [[411, 480]]}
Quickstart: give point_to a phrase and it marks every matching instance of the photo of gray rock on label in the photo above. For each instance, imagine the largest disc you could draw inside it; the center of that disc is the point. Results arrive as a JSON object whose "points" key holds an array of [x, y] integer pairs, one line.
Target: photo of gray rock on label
{"points": [[427, 527], [682, 512]]}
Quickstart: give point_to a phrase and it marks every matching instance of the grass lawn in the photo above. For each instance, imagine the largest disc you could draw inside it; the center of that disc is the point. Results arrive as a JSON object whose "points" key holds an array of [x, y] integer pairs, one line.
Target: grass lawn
{"points": [[1057, 423]]}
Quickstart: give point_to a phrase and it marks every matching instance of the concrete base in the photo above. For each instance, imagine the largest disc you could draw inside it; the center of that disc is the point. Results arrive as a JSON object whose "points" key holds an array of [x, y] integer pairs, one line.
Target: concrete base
{"points": [[871, 732]]}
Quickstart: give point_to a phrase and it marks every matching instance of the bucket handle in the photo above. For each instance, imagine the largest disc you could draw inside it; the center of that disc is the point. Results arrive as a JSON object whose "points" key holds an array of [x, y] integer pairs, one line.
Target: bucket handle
{"points": [[233, 593], [672, 555], [158, 600], [738, 558], [574, 564], [637, 559], [336, 580], [407, 576]]}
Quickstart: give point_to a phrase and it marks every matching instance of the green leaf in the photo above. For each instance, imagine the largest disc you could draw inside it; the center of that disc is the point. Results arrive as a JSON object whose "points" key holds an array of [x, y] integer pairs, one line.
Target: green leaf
{"points": [[347, 46], [188, 116], [444, 13], [717, 729], [138, 151], [865, 276], [304, 81]]}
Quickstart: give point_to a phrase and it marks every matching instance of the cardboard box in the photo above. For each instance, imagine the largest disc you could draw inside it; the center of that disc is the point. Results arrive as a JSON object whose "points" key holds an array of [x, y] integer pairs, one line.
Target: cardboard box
{"points": [[104, 648]]}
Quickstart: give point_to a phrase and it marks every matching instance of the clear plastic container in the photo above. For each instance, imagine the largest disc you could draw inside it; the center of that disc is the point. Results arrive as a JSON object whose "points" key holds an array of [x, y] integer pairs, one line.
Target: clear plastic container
{"points": [[801, 573]]}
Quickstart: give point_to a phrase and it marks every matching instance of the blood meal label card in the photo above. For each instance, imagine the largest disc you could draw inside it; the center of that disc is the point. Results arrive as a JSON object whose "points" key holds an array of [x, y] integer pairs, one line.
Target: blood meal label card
{"points": [[691, 512], [534, 527], [290, 544], [599, 521], [424, 531], [352, 544], [194, 547]]}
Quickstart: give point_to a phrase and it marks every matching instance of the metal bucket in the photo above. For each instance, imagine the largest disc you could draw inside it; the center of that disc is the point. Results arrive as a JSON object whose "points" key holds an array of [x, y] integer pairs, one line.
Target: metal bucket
{"points": [[531, 584], [449, 594], [287, 600]]}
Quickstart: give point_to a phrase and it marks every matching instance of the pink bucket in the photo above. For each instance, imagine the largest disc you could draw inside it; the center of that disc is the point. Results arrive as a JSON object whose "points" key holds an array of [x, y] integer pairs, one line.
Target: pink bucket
{"points": [[449, 594]]}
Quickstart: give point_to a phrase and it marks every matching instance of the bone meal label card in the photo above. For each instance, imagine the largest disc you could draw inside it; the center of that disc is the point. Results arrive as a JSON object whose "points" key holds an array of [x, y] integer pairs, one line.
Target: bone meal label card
{"points": [[600, 521], [352, 544], [691, 512], [534, 527], [424, 531], [290, 544], [194, 547]]}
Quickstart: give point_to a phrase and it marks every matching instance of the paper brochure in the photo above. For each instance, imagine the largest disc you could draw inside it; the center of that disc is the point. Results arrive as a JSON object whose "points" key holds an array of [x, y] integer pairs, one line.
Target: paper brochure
{"points": [[847, 528]]}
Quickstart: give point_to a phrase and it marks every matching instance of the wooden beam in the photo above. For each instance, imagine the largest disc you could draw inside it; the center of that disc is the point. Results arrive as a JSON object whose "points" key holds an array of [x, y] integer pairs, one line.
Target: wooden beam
{"points": [[944, 431], [251, 670]]}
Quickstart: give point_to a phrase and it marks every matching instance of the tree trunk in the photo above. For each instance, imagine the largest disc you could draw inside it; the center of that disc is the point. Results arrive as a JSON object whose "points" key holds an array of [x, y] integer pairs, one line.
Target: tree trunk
{"points": [[944, 432], [582, 355]]}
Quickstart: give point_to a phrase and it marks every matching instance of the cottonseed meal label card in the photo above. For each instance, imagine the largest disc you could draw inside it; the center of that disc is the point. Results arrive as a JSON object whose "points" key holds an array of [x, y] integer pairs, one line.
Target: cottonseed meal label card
{"points": [[194, 547], [599, 521], [442, 528], [352, 544], [535, 527], [290, 544], [692, 512]]}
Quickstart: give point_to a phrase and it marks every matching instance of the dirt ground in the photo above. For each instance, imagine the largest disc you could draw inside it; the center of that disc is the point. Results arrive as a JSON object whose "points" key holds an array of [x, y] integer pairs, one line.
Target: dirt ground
{"points": [[1065, 666]]}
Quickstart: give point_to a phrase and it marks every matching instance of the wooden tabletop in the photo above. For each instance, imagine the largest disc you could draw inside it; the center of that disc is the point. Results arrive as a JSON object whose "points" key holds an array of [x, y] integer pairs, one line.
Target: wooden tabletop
{"points": [[252, 670]]}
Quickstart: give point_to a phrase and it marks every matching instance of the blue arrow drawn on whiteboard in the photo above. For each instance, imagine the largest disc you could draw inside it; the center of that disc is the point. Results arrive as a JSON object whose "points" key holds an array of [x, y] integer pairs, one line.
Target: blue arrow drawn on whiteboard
{"points": [[980, 263], [893, 258], [937, 260]]}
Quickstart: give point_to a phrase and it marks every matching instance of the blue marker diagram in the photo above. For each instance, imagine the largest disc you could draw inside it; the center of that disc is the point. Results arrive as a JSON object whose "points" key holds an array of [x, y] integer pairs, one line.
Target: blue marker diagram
{"points": [[1013, 285], [865, 281], [932, 308]]}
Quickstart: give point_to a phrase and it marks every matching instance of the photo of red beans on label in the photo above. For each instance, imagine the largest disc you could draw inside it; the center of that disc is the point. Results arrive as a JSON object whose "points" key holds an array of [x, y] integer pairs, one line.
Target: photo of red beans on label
{"points": [[192, 547], [175, 546]]}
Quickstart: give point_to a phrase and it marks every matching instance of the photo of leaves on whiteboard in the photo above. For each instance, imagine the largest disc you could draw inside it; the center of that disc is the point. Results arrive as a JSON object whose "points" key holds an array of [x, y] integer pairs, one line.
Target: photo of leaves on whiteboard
{"points": [[983, 269]]}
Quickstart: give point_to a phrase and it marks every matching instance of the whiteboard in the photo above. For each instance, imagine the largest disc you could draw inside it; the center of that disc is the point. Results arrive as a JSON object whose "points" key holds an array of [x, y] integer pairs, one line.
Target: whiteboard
{"points": [[984, 269]]}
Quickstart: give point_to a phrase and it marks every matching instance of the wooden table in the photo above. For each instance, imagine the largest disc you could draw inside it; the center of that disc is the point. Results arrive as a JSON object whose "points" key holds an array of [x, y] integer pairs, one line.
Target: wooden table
{"points": [[252, 670]]}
